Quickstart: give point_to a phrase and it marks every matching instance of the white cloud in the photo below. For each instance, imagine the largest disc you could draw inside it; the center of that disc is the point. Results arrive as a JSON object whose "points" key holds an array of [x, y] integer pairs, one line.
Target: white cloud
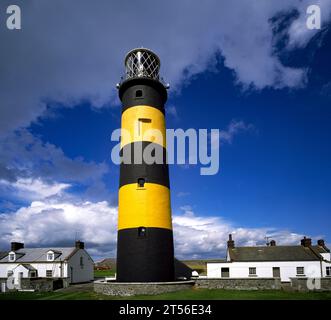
{"points": [[299, 34], [42, 169], [73, 51], [172, 111], [182, 194], [54, 222], [34, 188], [235, 127]]}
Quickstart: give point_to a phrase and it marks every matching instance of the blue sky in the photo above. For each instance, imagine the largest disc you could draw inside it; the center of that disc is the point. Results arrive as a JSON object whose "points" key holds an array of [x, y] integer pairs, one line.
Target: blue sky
{"points": [[263, 83]]}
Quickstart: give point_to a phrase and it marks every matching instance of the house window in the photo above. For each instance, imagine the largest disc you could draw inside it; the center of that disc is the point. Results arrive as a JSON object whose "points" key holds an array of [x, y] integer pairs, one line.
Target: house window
{"points": [[328, 271], [81, 262], [225, 272], [141, 182], [10, 273], [12, 257], [33, 274], [49, 273], [300, 271], [50, 256], [252, 271]]}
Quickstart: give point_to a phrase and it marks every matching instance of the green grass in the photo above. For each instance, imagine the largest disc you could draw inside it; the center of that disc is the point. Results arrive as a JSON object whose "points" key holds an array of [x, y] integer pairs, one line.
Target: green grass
{"points": [[193, 294], [104, 273]]}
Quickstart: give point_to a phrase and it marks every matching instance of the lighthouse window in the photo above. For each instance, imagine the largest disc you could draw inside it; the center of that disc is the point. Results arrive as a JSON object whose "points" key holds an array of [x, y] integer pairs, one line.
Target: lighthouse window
{"points": [[141, 182], [139, 93], [141, 232]]}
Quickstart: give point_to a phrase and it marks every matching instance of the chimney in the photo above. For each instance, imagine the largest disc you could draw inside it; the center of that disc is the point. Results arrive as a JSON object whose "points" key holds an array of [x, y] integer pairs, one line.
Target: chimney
{"points": [[16, 246], [321, 243], [306, 242], [230, 242], [79, 244], [273, 243]]}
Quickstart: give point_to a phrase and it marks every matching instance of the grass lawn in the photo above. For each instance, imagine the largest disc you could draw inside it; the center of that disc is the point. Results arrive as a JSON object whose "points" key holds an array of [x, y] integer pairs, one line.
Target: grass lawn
{"points": [[104, 273], [193, 294]]}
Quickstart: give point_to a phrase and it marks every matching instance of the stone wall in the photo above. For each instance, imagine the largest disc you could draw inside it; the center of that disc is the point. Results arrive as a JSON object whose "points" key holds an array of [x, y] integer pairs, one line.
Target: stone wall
{"points": [[140, 288], [239, 283], [317, 284], [41, 285]]}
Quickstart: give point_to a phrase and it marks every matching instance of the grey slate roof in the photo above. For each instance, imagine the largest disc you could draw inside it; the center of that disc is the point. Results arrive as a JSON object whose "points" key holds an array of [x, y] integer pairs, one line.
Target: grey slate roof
{"points": [[321, 249], [274, 253], [29, 267], [3, 254], [40, 254]]}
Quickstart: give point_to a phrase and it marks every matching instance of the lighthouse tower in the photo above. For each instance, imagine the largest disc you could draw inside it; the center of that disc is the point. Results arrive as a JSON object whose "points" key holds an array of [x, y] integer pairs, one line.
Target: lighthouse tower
{"points": [[145, 251]]}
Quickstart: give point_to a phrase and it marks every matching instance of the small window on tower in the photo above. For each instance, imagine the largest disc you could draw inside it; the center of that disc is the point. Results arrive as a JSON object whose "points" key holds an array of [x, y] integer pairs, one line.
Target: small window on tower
{"points": [[141, 232], [139, 93], [141, 182]]}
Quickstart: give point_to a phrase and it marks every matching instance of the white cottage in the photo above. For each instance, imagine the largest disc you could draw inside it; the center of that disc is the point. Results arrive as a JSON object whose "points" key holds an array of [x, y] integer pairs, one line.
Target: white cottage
{"points": [[68, 264], [272, 261]]}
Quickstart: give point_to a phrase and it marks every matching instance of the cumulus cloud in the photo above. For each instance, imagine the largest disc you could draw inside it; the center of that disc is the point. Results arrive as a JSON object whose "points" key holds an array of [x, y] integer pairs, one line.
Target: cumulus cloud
{"points": [[299, 34], [48, 223], [31, 168], [235, 127], [34, 188], [72, 51], [181, 194], [172, 111], [57, 223]]}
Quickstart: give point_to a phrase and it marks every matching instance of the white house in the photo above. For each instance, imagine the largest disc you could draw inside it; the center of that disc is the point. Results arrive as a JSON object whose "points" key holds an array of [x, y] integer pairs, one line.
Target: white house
{"points": [[71, 265], [272, 261]]}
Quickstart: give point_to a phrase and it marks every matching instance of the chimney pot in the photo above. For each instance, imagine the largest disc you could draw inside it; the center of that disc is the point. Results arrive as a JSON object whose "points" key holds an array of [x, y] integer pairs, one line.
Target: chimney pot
{"points": [[230, 242], [16, 246], [79, 245], [306, 242], [321, 242]]}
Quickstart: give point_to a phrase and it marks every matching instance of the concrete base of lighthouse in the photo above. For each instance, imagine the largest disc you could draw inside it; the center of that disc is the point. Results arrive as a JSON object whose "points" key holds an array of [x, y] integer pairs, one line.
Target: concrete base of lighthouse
{"points": [[113, 288]]}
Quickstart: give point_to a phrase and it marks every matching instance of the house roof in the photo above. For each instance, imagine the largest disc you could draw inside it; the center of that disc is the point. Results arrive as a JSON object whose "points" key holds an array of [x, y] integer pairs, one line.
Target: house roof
{"points": [[274, 253], [321, 249], [29, 267], [3, 254], [40, 254]]}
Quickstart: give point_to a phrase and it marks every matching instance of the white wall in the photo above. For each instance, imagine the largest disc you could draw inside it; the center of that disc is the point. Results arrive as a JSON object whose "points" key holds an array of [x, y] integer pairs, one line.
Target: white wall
{"points": [[59, 269], [264, 269], [41, 267], [326, 256], [80, 273], [324, 265]]}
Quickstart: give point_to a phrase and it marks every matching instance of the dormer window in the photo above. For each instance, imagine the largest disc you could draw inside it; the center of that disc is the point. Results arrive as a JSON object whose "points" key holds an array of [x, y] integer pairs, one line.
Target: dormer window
{"points": [[11, 257], [50, 256]]}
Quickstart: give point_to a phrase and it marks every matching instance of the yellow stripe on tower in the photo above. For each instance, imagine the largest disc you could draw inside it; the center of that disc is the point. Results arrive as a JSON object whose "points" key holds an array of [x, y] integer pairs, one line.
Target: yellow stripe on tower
{"points": [[148, 206], [143, 123]]}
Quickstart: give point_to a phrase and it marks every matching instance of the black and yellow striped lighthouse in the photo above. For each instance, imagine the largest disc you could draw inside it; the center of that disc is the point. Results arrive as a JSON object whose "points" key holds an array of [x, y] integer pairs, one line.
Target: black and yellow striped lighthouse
{"points": [[145, 251]]}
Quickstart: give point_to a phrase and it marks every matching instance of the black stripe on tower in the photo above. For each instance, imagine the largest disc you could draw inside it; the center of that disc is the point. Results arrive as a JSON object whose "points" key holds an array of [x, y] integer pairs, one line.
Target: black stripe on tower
{"points": [[143, 91], [145, 255], [130, 172]]}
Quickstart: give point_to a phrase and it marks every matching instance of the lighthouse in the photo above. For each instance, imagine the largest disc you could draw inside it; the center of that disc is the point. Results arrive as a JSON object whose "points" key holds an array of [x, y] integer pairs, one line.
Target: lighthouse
{"points": [[145, 250]]}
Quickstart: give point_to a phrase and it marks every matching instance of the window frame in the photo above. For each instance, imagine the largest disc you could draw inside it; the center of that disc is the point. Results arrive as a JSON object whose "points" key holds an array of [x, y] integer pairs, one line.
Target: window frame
{"points": [[47, 273], [50, 256], [252, 271], [223, 272], [300, 274], [81, 262], [328, 271], [12, 257]]}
